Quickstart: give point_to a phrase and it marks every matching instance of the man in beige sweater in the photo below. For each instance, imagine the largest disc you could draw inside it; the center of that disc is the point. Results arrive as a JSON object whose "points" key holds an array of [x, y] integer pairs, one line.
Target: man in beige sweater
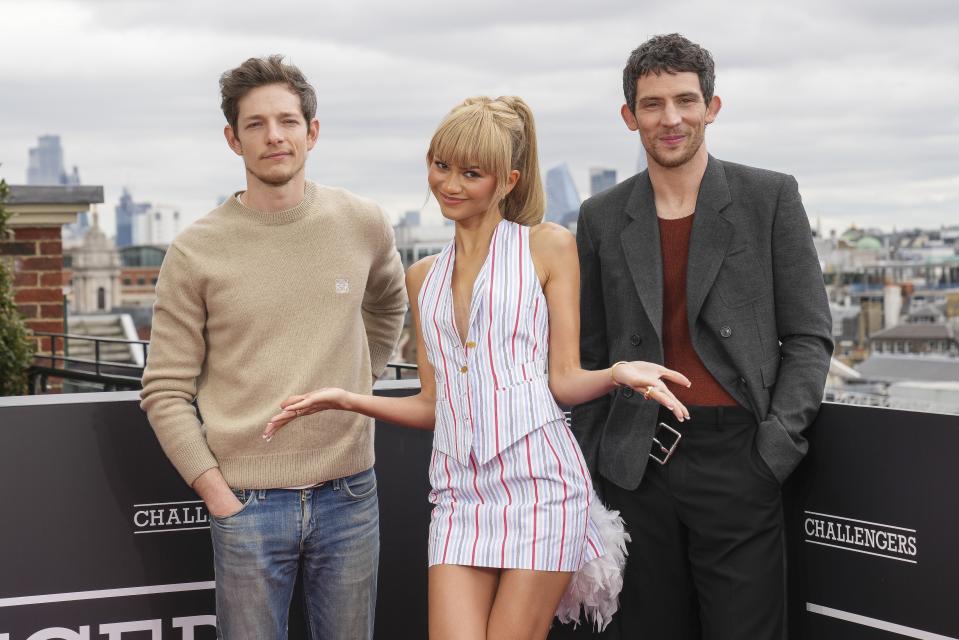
{"points": [[286, 286]]}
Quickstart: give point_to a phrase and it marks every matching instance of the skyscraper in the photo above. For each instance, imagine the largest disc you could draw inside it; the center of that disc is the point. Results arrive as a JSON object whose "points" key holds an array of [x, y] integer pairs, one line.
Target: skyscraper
{"points": [[46, 162], [601, 179], [411, 219], [562, 198], [158, 225], [126, 211], [46, 168]]}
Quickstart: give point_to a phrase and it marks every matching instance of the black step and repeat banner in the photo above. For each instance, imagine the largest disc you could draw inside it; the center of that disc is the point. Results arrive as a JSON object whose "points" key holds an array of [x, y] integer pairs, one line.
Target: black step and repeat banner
{"points": [[100, 538], [873, 524]]}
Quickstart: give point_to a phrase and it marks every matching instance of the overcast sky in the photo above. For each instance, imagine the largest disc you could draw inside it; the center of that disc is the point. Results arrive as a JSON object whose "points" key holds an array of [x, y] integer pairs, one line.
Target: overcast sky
{"points": [[859, 100]]}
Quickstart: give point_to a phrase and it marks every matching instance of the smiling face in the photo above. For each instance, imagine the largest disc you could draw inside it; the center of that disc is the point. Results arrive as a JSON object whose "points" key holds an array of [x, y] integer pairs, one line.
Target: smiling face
{"points": [[272, 135], [671, 117], [464, 192]]}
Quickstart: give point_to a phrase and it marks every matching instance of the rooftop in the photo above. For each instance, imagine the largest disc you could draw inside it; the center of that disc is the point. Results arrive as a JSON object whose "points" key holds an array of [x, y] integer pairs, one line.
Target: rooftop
{"points": [[916, 331], [895, 368], [54, 194]]}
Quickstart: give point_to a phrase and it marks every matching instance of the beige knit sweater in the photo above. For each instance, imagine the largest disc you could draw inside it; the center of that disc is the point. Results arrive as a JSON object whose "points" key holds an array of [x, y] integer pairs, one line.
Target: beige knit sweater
{"points": [[253, 307]]}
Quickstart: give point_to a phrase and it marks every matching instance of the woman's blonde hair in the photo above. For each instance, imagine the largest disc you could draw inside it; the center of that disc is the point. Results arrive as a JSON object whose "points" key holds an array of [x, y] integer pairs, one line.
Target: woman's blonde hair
{"points": [[497, 136]]}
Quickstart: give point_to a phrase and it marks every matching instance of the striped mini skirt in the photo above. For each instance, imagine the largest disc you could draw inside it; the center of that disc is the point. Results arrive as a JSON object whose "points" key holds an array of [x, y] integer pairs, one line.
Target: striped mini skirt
{"points": [[526, 508]]}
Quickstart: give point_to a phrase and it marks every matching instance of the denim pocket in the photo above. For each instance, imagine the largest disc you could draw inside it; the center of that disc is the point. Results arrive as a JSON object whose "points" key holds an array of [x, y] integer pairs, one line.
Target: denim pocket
{"points": [[246, 497], [360, 485]]}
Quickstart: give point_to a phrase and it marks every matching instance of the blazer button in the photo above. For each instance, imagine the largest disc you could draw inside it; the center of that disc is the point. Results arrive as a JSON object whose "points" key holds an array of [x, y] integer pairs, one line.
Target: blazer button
{"points": [[627, 392], [635, 340], [742, 380], [725, 331]]}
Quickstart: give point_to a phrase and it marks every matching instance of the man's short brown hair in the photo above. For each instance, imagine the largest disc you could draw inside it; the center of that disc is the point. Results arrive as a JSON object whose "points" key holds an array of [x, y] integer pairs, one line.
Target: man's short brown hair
{"points": [[671, 53], [258, 72]]}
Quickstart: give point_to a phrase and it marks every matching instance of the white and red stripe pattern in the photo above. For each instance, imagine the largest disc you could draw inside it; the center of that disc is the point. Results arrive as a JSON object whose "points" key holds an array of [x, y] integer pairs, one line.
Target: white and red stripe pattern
{"points": [[492, 390], [527, 508], [510, 486]]}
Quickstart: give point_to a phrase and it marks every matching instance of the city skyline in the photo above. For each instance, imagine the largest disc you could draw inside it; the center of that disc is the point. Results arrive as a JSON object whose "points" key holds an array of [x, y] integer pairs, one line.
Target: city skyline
{"points": [[857, 101]]}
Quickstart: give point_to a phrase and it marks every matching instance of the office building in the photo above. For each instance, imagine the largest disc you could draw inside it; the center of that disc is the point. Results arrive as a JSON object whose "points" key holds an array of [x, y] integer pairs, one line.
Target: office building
{"points": [[562, 198], [601, 179]]}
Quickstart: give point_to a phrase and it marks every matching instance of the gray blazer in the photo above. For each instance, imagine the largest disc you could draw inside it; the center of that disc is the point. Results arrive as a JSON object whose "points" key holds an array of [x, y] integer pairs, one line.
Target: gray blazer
{"points": [[757, 310]]}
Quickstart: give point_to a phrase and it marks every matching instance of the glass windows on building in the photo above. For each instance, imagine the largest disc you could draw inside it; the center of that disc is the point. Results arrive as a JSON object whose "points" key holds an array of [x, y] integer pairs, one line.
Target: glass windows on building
{"points": [[142, 256]]}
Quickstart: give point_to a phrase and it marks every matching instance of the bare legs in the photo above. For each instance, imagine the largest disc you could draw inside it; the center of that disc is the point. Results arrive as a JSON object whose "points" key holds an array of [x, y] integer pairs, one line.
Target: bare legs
{"points": [[460, 601], [476, 603], [525, 603]]}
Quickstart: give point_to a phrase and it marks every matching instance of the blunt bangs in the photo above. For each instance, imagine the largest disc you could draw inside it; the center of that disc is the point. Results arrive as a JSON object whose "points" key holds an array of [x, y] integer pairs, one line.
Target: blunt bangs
{"points": [[470, 137]]}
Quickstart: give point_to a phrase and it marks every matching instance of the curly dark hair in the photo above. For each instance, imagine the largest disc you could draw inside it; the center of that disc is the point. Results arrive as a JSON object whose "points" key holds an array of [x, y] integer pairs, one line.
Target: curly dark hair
{"points": [[671, 53], [258, 72]]}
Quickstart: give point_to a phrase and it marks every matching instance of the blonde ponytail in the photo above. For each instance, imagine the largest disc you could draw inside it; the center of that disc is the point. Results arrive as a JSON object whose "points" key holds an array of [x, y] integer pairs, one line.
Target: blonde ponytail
{"points": [[499, 136], [526, 203]]}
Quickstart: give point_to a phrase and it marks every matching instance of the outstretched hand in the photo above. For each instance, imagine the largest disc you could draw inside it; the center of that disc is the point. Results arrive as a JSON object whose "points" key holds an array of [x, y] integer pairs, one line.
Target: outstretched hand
{"points": [[647, 378], [303, 405]]}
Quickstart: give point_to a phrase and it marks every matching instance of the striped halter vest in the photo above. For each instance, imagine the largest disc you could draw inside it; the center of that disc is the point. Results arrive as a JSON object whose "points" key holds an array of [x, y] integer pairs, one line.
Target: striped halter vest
{"points": [[492, 390]]}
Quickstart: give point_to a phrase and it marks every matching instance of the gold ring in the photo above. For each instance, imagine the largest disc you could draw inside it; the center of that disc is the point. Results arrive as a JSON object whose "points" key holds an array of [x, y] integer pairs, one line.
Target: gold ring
{"points": [[648, 391]]}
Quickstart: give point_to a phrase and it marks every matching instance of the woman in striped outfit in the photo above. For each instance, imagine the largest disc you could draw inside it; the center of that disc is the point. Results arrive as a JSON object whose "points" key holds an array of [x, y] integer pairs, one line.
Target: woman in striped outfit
{"points": [[515, 515]]}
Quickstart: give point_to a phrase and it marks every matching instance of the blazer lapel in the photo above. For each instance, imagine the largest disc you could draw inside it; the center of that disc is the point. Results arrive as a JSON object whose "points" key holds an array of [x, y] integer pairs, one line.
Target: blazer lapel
{"points": [[640, 240], [709, 240]]}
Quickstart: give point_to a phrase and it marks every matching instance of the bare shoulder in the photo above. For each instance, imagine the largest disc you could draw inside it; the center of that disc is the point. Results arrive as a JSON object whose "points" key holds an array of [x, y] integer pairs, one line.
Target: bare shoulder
{"points": [[416, 274], [549, 240], [553, 249]]}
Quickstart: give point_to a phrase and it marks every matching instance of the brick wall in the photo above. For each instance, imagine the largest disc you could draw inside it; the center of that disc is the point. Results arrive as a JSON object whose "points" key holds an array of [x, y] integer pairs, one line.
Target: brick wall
{"points": [[37, 255]]}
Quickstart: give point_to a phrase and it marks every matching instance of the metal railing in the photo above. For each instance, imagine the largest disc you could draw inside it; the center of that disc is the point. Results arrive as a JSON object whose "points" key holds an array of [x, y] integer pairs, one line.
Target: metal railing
{"points": [[845, 395], [399, 367], [108, 375], [103, 374]]}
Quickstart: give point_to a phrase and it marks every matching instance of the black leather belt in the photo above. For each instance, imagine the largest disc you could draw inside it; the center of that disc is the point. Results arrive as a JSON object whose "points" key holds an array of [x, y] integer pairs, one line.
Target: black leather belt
{"points": [[665, 441], [734, 414], [666, 437]]}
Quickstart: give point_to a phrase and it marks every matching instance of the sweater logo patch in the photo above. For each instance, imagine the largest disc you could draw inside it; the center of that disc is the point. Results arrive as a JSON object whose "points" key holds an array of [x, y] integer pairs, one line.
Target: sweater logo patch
{"points": [[341, 285]]}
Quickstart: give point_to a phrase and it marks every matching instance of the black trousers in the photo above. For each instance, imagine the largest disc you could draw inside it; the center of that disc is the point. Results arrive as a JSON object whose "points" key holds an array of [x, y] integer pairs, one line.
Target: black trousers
{"points": [[707, 557]]}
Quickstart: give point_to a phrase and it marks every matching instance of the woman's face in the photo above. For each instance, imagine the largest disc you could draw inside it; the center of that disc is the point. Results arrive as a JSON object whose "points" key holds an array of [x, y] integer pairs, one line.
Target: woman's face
{"points": [[463, 192]]}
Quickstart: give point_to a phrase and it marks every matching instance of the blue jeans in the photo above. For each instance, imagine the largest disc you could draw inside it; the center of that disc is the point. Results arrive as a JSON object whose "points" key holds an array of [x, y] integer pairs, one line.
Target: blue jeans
{"points": [[332, 531]]}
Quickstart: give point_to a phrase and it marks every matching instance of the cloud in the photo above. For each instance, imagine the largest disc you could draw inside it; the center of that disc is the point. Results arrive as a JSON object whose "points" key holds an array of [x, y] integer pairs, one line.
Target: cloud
{"points": [[859, 100]]}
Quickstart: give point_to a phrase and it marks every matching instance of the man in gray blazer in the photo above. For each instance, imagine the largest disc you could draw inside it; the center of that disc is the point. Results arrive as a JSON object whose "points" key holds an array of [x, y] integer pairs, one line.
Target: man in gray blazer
{"points": [[709, 268]]}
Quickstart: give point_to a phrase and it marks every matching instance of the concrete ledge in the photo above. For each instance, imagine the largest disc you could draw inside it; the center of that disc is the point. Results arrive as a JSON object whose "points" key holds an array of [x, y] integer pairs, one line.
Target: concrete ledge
{"points": [[49, 206], [53, 194], [384, 387]]}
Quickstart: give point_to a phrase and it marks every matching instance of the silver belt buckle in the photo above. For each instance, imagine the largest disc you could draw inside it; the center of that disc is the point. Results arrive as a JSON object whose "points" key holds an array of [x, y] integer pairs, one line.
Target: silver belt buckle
{"points": [[660, 452]]}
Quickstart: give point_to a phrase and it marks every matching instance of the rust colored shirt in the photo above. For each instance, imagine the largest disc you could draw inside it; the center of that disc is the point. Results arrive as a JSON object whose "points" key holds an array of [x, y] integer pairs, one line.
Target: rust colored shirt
{"points": [[678, 349]]}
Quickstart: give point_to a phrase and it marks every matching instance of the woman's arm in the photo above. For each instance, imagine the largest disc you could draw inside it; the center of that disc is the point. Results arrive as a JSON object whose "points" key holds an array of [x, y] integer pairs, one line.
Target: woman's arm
{"points": [[417, 411], [554, 255]]}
